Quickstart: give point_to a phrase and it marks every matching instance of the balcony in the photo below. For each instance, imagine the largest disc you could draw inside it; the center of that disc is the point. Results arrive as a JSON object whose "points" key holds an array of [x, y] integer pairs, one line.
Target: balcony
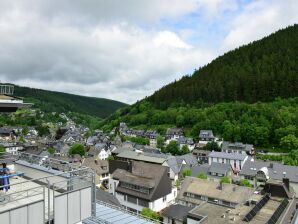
{"points": [[39, 194]]}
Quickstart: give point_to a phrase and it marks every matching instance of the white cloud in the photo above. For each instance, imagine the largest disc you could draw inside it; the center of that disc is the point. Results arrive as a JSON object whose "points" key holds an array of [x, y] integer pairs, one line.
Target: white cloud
{"points": [[119, 49], [122, 62], [214, 8], [260, 18]]}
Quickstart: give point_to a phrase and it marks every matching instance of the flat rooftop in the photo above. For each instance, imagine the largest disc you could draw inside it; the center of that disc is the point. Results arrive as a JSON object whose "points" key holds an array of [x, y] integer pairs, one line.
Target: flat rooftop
{"points": [[228, 192], [110, 214], [222, 215]]}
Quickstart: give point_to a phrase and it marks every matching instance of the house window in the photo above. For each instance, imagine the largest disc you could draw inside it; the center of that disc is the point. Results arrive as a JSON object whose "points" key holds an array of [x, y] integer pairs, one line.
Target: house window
{"points": [[164, 199], [143, 203], [131, 199]]}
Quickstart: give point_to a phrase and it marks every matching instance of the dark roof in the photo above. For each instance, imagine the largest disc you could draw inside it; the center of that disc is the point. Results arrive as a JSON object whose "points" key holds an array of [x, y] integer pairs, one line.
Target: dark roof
{"points": [[236, 156], [99, 166], [176, 162], [184, 140], [6, 130], [198, 169], [147, 175], [275, 170], [178, 212], [141, 156], [220, 168], [236, 146], [201, 151], [206, 134], [174, 131], [106, 197]]}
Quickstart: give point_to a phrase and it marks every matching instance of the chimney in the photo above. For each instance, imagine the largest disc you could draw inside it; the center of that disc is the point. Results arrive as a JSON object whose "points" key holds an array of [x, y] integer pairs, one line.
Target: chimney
{"points": [[271, 165], [220, 186], [286, 182]]}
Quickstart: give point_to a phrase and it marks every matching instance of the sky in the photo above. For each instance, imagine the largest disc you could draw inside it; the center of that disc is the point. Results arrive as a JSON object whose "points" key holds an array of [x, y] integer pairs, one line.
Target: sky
{"points": [[126, 49]]}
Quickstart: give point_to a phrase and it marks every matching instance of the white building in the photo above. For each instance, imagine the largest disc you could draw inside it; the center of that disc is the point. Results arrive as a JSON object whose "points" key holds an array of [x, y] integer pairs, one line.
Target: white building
{"points": [[236, 160], [145, 186]]}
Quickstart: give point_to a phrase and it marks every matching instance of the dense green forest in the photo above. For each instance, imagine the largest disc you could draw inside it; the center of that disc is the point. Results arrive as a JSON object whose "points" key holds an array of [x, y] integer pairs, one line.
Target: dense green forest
{"points": [[259, 71], [49, 101], [249, 94], [35, 117], [262, 124]]}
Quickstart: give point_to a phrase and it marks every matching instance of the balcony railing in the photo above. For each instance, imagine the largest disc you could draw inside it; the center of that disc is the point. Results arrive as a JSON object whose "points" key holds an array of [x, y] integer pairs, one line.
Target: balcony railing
{"points": [[6, 89], [51, 196]]}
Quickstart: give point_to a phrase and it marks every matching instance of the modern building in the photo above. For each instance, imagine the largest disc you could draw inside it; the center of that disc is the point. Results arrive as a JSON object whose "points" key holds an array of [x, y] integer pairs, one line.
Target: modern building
{"points": [[236, 160], [143, 185], [39, 194], [8, 102]]}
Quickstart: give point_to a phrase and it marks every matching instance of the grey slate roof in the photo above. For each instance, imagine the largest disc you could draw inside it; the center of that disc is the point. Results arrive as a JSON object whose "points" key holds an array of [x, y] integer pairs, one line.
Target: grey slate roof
{"points": [[275, 170], [236, 146], [190, 159], [198, 169], [235, 156], [176, 162], [121, 149], [220, 168], [145, 175], [99, 166], [206, 134], [184, 140], [106, 197], [178, 212], [146, 157], [174, 131]]}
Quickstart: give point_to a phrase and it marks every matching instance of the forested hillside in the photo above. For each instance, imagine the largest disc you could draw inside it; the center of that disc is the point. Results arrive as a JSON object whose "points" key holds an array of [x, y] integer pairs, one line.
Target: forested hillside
{"points": [[249, 94], [260, 71], [261, 124], [49, 101]]}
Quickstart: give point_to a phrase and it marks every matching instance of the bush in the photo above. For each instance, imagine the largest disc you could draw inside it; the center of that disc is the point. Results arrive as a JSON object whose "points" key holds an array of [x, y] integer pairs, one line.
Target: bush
{"points": [[51, 150], [177, 183], [77, 149], [110, 157], [147, 212], [245, 182], [202, 175], [173, 148], [225, 179], [187, 172], [210, 146]]}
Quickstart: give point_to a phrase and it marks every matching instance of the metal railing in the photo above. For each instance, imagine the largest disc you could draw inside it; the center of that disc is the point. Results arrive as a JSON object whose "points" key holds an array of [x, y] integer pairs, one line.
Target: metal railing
{"points": [[6, 89], [48, 186], [138, 215]]}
